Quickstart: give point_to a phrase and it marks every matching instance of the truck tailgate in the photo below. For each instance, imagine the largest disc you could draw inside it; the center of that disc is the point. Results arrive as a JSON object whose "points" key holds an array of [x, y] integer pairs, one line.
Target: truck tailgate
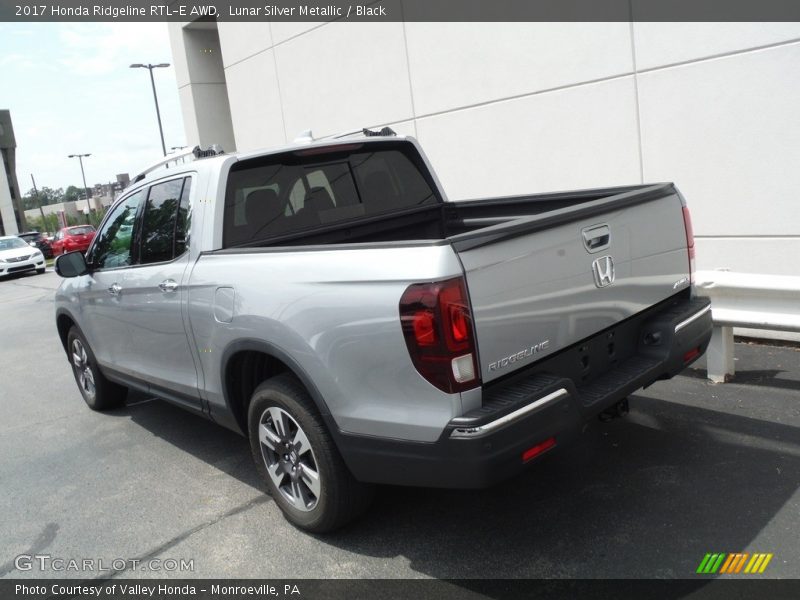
{"points": [[540, 284]]}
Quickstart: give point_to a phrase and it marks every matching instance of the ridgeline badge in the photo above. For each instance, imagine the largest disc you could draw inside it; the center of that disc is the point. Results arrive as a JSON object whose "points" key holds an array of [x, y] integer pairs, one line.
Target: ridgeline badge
{"points": [[510, 360]]}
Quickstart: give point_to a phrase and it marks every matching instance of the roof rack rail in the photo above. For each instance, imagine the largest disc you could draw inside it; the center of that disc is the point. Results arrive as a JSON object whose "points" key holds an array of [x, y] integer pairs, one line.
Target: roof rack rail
{"points": [[180, 158], [386, 132]]}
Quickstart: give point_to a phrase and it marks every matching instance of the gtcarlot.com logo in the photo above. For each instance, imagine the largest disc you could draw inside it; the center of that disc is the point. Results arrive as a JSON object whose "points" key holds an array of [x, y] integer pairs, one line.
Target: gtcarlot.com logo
{"points": [[47, 562], [733, 563]]}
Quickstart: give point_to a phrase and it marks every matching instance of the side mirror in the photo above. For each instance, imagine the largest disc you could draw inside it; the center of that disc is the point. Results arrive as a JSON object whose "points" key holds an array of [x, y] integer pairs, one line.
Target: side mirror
{"points": [[33, 244], [72, 264]]}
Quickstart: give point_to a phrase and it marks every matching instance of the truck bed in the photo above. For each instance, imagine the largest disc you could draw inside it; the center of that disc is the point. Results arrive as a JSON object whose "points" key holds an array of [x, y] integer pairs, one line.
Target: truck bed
{"points": [[471, 223], [529, 268]]}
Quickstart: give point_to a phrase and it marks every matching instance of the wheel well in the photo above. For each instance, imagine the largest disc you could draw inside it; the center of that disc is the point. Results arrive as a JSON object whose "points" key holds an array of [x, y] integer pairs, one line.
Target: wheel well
{"points": [[64, 323], [246, 370]]}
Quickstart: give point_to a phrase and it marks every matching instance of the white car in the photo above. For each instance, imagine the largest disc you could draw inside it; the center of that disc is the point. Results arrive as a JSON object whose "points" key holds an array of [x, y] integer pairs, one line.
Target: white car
{"points": [[17, 256]]}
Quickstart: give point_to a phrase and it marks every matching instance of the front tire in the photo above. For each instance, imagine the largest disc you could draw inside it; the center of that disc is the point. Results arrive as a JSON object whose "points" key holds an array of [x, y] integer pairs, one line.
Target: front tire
{"points": [[40, 271], [98, 392], [297, 459]]}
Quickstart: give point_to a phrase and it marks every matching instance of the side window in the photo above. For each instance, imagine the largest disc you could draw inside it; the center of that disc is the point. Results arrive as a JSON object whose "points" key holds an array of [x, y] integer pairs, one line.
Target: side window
{"points": [[159, 221], [112, 244], [183, 225]]}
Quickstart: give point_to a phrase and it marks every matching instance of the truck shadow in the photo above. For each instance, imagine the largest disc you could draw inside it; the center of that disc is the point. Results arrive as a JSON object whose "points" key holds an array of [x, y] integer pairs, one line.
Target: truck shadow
{"points": [[203, 439], [641, 497]]}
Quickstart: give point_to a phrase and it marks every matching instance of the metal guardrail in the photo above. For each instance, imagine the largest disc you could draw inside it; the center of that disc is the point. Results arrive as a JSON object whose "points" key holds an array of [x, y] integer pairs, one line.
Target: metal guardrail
{"points": [[746, 300]]}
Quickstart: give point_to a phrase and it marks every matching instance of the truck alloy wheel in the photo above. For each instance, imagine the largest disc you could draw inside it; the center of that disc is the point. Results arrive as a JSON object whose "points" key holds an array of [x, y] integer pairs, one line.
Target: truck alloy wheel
{"points": [[83, 370], [289, 458], [298, 460], [98, 392]]}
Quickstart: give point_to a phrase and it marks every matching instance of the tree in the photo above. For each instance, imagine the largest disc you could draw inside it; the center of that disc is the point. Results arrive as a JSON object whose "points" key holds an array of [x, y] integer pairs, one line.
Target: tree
{"points": [[50, 224], [46, 196], [73, 193]]}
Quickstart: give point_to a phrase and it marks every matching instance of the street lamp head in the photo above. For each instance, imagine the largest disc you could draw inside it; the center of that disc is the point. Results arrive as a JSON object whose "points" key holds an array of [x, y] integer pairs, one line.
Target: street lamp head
{"points": [[141, 66]]}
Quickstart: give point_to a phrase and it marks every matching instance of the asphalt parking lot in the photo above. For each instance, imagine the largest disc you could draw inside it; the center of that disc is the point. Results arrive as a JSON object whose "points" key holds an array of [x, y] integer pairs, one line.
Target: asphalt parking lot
{"points": [[694, 468]]}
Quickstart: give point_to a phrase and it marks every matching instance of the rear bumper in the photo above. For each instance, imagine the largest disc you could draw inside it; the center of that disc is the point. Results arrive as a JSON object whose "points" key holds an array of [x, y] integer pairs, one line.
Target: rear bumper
{"points": [[553, 399]]}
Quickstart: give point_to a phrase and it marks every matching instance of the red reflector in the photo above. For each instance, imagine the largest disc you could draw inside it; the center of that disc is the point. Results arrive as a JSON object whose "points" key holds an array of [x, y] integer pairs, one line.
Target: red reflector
{"points": [[538, 449], [424, 328], [691, 355]]}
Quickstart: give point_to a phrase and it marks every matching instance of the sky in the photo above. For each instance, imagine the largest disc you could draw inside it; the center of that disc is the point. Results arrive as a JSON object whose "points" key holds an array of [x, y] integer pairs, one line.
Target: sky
{"points": [[70, 91]]}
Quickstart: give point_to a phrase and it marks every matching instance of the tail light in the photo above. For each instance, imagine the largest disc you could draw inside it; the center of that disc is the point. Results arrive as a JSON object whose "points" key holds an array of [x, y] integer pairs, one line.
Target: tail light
{"points": [[437, 325], [687, 224]]}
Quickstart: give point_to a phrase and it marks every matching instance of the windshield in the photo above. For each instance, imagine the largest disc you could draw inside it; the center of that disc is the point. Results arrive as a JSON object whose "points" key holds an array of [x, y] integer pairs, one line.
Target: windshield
{"points": [[12, 243]]}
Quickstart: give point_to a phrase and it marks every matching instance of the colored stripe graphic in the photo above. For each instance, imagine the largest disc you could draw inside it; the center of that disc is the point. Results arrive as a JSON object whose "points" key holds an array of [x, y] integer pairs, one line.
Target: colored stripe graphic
{"points": [[703, 563], [740, 564], [729, 562], [758, 563], [765, 563], [710, 563], [734, 562]]}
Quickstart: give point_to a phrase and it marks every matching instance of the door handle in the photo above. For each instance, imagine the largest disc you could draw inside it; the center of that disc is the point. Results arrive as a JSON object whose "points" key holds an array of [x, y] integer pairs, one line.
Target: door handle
{"points": [[115, 289], [168, 285], [596, 238]]}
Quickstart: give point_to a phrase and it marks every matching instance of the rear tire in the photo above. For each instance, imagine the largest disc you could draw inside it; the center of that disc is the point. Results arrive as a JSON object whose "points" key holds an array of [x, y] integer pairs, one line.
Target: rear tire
{"points": [[98, 392], [299, 462]]}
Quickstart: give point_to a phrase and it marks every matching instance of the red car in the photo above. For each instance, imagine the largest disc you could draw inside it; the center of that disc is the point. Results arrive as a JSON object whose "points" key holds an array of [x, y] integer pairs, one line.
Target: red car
{"points": [[73, 238]]}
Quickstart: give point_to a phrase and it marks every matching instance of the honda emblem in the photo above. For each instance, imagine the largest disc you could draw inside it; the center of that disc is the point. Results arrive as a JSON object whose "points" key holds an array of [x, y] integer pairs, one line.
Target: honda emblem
{"points": [[603, 269]]}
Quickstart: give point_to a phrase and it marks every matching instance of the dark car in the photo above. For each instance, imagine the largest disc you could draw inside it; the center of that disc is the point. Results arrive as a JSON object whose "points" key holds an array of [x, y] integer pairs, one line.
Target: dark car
{"points": [[70, 239], [38, 240]]}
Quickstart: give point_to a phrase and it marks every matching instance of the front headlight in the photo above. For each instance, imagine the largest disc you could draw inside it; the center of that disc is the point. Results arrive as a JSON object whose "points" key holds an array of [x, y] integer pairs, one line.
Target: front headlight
{"points": [[37, 255]]}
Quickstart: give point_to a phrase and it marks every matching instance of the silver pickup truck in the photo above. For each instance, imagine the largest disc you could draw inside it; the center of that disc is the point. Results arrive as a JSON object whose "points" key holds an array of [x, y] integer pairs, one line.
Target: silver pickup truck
{"points": [[329, 302]]}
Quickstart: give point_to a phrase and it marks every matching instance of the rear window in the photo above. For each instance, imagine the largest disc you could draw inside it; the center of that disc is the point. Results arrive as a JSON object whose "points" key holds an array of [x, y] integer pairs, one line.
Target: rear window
{"points": [[276, 196], [80, 230]]}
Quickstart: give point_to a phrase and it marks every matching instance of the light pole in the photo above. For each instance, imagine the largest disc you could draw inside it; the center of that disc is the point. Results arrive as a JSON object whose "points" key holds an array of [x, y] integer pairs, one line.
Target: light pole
{"points": [[80, 158], [150, 68]]}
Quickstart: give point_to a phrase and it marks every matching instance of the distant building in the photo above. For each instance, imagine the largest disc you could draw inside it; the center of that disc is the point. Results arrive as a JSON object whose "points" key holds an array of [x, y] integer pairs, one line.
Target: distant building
{"points": [[71, 209], [124, 180], [12, 216], [103, 194]]}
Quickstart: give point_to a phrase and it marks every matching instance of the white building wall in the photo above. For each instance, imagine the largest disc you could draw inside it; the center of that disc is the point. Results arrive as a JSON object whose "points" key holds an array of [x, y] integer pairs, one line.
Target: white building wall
{"points": [[512, 108], [7, 215]]}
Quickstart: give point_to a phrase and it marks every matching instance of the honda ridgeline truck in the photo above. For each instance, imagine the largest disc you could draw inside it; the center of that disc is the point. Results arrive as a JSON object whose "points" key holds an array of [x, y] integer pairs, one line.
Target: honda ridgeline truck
{"points": [[326, 300]]}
